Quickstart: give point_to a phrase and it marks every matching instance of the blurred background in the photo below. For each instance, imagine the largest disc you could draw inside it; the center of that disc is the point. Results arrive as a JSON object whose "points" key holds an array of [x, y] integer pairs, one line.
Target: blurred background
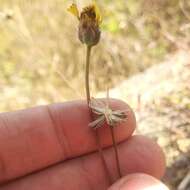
{"points": [[145, 45]]}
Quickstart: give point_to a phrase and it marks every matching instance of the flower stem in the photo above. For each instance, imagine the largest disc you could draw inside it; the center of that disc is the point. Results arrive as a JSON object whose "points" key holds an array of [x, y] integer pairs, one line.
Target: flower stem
{"points": [[113, 137], [116, 151], [87, 73], [100, 150]]}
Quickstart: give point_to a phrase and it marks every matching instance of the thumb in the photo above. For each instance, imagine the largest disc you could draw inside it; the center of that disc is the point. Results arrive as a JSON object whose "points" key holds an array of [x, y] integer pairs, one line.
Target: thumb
{"points": [[138, 182]]}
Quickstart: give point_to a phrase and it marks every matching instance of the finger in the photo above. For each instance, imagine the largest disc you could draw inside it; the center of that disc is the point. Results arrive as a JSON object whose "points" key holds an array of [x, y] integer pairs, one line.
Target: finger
{"points": [[138, 182], [39, 137], [138, 154]]}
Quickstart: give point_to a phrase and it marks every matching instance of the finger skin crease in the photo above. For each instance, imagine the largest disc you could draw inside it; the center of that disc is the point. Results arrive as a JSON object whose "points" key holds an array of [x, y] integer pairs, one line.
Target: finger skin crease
{"points": [[59, 134]]}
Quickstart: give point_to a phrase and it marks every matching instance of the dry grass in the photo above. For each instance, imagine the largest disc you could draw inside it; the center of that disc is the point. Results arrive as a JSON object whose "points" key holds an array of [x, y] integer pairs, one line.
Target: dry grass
{"points": [[42, 60]]}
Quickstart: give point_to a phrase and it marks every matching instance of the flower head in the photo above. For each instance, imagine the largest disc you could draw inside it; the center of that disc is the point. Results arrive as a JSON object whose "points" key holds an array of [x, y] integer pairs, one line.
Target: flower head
{"points": [[105, 114], [89, 22]]}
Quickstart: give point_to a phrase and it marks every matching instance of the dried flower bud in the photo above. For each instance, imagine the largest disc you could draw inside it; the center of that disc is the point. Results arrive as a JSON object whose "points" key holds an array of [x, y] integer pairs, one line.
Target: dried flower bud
{"points": [[89, 32], [89, 22]]}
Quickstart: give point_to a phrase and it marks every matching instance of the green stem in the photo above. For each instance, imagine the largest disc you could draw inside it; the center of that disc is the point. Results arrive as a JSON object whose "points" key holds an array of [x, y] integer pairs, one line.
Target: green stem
{"points": [[116, 151], [100, 150]]}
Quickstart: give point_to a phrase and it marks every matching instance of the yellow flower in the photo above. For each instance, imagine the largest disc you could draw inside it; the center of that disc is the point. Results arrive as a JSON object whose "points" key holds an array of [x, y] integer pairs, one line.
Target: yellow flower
{"points": [[89, 22], [74, 10]]}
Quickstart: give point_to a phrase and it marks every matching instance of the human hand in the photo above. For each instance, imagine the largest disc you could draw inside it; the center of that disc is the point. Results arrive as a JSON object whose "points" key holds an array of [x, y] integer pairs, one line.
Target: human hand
{"points": [[52, 148]]}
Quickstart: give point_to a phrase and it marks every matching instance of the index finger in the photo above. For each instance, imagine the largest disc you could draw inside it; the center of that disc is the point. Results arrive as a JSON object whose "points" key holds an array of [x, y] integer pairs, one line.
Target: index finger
{"points": [[36, 138]]}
